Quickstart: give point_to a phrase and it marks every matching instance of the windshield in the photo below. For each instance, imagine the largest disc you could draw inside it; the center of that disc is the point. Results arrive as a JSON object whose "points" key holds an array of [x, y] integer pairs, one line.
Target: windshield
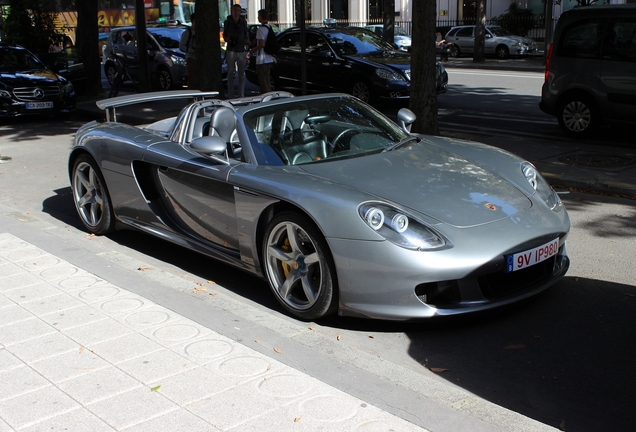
{"points": [[318, 130], [357, 41], [167, 37], [499, 31], [14, 60]]}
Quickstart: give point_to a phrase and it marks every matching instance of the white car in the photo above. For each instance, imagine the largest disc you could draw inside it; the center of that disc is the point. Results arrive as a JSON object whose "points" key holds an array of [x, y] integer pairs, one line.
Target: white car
{"points": [[400, 37]]}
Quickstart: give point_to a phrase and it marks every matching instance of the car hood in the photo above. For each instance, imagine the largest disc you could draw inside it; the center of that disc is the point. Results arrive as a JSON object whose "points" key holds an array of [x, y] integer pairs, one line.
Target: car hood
{"points": [[30, 78], [432, 181], [517, 39], [395, 59]]}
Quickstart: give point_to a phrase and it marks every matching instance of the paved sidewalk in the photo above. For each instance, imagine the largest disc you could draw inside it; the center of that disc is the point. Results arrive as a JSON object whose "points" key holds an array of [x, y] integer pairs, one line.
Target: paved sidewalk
{"points": [[78, 353]]}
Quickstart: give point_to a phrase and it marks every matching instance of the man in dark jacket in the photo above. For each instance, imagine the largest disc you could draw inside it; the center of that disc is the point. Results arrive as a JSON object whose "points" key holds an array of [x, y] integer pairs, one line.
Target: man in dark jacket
{"points": [[236, 37]]}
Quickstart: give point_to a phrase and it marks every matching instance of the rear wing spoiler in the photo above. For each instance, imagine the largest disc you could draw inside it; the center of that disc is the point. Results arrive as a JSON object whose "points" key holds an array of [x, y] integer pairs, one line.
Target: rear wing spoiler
{"points": [[111, 104]]}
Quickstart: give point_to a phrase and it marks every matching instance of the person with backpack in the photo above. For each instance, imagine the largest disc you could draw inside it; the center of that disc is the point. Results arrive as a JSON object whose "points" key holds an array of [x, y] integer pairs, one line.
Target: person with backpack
{"points": [[236, 37], [263, 59], [187, 45]]}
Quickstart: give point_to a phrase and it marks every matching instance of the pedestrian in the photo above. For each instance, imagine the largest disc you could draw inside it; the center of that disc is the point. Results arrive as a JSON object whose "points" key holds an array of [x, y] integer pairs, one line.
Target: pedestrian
{"points": [[236, 37], [263, 60], [440, 46], [187, 44]]}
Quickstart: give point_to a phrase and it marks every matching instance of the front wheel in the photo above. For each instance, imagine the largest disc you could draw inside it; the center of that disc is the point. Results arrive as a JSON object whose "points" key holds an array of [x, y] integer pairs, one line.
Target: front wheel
{"points": [[164, 79], [111, 72], [91, 196], [299, 267], [362, 90], [502, 52], [578, 115]]}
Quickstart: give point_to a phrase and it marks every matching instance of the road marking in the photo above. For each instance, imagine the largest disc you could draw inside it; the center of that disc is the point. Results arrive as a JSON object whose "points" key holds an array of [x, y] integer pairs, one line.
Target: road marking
{"points": [[535, 75]]}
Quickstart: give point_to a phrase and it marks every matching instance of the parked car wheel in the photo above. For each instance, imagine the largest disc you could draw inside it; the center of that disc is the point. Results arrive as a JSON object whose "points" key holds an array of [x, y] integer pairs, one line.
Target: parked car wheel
{"points": [[502, 52], [164, 79], [578, 115], [362, 90], [454, 51], [91, 197], [111, 72], [299, 267]]}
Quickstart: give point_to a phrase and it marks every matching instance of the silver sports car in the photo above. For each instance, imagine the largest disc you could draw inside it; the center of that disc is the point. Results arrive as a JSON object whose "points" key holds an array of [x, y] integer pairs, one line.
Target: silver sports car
{"points": [[338, 207]]}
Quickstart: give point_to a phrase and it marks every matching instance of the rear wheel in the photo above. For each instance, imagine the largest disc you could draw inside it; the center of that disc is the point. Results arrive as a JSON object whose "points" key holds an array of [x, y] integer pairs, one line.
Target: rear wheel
{"points": [[299, 267], [454, 51], [502, 52], [91, 196], [578, 115]]}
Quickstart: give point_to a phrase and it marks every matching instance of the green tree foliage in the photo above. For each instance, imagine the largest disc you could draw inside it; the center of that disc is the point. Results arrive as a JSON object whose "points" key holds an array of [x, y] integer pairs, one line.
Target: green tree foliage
{"points": [[516, 20], [30, 23]]}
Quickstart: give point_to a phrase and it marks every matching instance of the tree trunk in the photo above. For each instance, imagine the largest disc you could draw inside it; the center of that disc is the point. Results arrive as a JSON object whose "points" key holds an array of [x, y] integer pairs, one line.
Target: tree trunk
{"points": [[86, 42], [388, 18], [480, 31], [142, 46], [423, 101], [209, 74]]}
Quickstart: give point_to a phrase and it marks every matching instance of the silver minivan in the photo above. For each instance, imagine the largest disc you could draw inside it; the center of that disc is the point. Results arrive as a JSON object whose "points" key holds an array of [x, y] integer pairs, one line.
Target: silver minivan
{"points": [[590, 76]]}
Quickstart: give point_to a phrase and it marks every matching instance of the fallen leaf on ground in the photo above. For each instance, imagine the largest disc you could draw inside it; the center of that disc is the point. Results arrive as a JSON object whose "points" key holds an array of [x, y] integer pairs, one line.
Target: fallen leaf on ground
{"points": [[297, 419], [277, 350], [197, 289], [81, 350], [338, 337], [155, 388], [439, 370], [212, 293], [311, 328], [143, 268], [211, 282], [518, 346], [90, 235], [371, 337]]}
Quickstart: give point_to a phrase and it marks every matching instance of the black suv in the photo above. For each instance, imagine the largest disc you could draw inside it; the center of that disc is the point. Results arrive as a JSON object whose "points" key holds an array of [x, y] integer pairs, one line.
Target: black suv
{"points": [[29, 87]]}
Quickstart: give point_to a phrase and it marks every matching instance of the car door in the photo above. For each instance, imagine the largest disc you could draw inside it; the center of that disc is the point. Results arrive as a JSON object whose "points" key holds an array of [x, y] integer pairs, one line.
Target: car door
{"points": [[464, 39], [617, 86], [193, 195], [325, 71], [125, 48], [287, 66], [490, 42]]}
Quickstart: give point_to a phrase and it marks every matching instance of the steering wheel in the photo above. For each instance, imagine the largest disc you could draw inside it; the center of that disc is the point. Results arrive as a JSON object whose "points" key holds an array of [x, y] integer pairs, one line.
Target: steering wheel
{"points": [[336, 140]]}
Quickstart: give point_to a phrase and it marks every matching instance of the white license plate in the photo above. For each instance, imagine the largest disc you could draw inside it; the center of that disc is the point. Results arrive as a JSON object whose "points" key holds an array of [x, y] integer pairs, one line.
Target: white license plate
{"points": [[39, 105], [531, 257]]}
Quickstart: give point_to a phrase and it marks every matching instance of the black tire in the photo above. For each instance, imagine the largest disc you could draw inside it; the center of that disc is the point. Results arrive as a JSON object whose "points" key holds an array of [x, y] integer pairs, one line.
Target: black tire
{"points": [[164, 79], [362, 90], [299, 267], [91, 197], [502, 52], [110, 70], [454, 51], [578, 115]]}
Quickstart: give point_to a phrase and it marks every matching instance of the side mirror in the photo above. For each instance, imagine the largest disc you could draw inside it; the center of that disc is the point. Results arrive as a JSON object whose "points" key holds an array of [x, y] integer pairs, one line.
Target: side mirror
{"points": [[406, 117], [210, 146]]}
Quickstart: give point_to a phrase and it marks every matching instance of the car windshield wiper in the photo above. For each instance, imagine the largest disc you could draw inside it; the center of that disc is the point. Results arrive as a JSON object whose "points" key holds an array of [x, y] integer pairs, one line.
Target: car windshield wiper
{"points": [[402, 142]]}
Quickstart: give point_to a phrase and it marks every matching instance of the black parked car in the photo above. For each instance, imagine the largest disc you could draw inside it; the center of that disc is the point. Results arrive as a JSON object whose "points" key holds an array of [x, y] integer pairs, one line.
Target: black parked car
{"points": [[349, 59], [67, 63], [29, 87]]}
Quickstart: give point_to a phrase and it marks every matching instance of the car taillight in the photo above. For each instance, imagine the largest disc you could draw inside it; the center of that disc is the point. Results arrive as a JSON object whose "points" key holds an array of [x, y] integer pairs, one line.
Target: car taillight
{"points": [[547, 62]]}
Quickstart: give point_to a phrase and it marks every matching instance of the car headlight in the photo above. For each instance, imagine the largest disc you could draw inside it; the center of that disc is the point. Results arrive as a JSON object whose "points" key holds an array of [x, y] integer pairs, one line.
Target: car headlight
{"points": [[390, 75], [178, 60], [538, 183], [5, 94], [68, 89], [400, 228]]}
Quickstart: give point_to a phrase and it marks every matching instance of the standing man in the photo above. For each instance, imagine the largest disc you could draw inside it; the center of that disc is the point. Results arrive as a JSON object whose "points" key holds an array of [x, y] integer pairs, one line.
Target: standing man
{"points": [[236, 37], [263, 60], [187, 45]]}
